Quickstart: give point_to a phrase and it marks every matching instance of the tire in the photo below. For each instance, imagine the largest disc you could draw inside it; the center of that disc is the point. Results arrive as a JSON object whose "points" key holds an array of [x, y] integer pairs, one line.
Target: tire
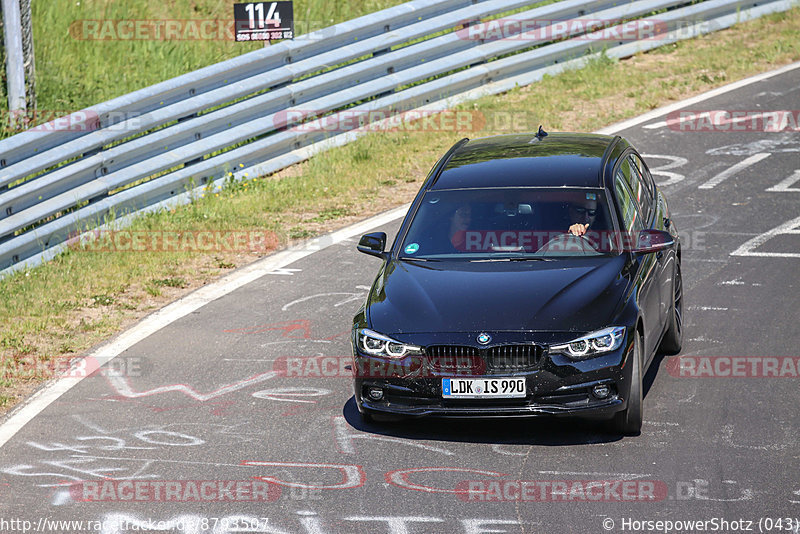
{"points": [[673, 338], [629, 420]]}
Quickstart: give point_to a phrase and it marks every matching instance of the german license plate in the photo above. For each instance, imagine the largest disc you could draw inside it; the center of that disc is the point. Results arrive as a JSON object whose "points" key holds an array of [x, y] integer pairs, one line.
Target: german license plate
{"points": [[483, 388]]}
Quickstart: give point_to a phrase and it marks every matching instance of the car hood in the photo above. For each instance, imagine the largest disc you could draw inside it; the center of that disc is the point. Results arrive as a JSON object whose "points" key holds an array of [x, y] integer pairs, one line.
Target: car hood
{"points": [[571, 295]]}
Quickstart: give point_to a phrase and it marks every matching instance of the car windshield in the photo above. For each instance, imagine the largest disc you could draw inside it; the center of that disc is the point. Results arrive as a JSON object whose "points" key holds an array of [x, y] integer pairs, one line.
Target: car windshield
{"points": [[503, 224]]}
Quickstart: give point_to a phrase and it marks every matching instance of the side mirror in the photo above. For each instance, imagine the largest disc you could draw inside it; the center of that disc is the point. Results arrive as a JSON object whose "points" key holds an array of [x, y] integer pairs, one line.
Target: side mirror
{"points": [[653, 241], [373, 244]]}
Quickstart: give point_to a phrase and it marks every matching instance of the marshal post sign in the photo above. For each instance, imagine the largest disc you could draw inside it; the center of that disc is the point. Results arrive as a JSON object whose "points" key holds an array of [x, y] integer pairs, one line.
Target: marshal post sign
{"points": [[264, 21]]}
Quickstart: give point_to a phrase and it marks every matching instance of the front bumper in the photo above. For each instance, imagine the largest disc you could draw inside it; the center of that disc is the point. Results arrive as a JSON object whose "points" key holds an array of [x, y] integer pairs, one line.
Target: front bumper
{"points": [[558, 386], [602, 410]]}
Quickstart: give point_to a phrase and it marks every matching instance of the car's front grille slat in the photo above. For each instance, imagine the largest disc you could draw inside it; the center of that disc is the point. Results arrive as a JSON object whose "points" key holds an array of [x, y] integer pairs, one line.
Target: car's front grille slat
{"points": [[502, 358]]}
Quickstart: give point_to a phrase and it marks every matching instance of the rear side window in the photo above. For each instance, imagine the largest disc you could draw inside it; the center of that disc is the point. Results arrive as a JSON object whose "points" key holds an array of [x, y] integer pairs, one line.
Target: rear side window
{"points": [[648, 179], [633, 179], [641, 189], [631, 219]]}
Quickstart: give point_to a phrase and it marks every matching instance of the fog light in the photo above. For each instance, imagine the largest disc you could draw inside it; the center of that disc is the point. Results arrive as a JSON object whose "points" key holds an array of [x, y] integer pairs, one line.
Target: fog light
{"points": [[601, 391], [375, 394]]}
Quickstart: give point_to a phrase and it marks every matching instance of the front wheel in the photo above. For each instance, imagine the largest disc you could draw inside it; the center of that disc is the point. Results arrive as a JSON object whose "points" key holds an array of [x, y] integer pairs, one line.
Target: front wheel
{"points": [[629, 420], [673, 338]]}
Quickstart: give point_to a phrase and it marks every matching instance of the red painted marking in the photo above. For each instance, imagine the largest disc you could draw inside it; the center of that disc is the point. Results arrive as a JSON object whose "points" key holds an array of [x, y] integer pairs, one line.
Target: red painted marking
{"points": [[399, 478], [352, 475]]}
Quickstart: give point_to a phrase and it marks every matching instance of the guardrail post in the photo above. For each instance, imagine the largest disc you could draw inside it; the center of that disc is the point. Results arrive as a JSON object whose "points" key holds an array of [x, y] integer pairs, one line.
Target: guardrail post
{"points": [[15, 64]]}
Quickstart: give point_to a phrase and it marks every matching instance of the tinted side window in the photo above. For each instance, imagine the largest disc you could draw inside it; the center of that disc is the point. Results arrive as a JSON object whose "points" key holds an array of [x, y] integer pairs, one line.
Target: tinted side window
{"points": [[648, 179], [640, 188], [631, 219], [634, 183]]}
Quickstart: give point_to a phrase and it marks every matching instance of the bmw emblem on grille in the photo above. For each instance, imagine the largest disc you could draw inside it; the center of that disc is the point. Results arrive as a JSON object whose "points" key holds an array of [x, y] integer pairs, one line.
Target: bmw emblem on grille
{"points": [[484, 338]]}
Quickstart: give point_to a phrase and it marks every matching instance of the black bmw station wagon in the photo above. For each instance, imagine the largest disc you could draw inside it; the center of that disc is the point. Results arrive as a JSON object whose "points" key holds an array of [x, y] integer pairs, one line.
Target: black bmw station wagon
{"points": [[534, 274]]}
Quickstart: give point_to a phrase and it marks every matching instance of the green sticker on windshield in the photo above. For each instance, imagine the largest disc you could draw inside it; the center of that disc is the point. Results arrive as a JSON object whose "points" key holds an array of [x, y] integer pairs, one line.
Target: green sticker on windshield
{"points": [[412, 248]]}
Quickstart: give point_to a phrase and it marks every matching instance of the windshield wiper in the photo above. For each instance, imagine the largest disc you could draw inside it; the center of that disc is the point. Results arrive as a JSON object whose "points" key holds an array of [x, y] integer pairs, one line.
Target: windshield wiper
{"points": [[408, 258], [489, 260]]}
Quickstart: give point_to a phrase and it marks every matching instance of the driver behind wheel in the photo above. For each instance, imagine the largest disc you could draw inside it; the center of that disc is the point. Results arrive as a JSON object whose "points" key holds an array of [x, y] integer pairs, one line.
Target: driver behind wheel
{"points": [[583, 214]]}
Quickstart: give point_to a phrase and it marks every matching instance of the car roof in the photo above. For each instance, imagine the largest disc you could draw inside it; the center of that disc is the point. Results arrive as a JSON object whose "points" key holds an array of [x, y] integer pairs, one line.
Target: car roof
{"points": [[519, 160]]}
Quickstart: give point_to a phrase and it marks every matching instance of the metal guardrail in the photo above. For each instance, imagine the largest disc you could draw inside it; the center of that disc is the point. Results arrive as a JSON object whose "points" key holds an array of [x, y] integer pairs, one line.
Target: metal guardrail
{"points": [[56, 183]]}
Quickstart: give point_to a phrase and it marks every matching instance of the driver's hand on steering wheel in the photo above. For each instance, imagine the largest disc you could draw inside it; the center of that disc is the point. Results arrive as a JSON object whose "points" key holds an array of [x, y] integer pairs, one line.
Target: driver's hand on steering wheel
{"points": [[578, 229]]}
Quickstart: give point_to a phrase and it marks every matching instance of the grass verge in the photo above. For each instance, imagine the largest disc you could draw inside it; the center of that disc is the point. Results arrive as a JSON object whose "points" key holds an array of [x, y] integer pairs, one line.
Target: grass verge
{"points": [[82, 297]]}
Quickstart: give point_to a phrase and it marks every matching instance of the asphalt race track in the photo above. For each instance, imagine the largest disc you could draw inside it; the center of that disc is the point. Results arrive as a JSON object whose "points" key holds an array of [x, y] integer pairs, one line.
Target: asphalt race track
{"points": [[248, 399]]}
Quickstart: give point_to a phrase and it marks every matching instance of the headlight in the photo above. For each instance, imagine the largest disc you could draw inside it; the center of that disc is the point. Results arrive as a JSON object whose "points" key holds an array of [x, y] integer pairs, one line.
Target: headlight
{"points": [[592, 344], [379, 345]]}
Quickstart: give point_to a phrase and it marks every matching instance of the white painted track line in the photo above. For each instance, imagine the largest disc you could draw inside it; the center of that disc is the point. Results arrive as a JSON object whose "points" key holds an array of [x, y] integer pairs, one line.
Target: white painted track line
{"points": [[785, 186], [730, 171], [748, 248]]}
